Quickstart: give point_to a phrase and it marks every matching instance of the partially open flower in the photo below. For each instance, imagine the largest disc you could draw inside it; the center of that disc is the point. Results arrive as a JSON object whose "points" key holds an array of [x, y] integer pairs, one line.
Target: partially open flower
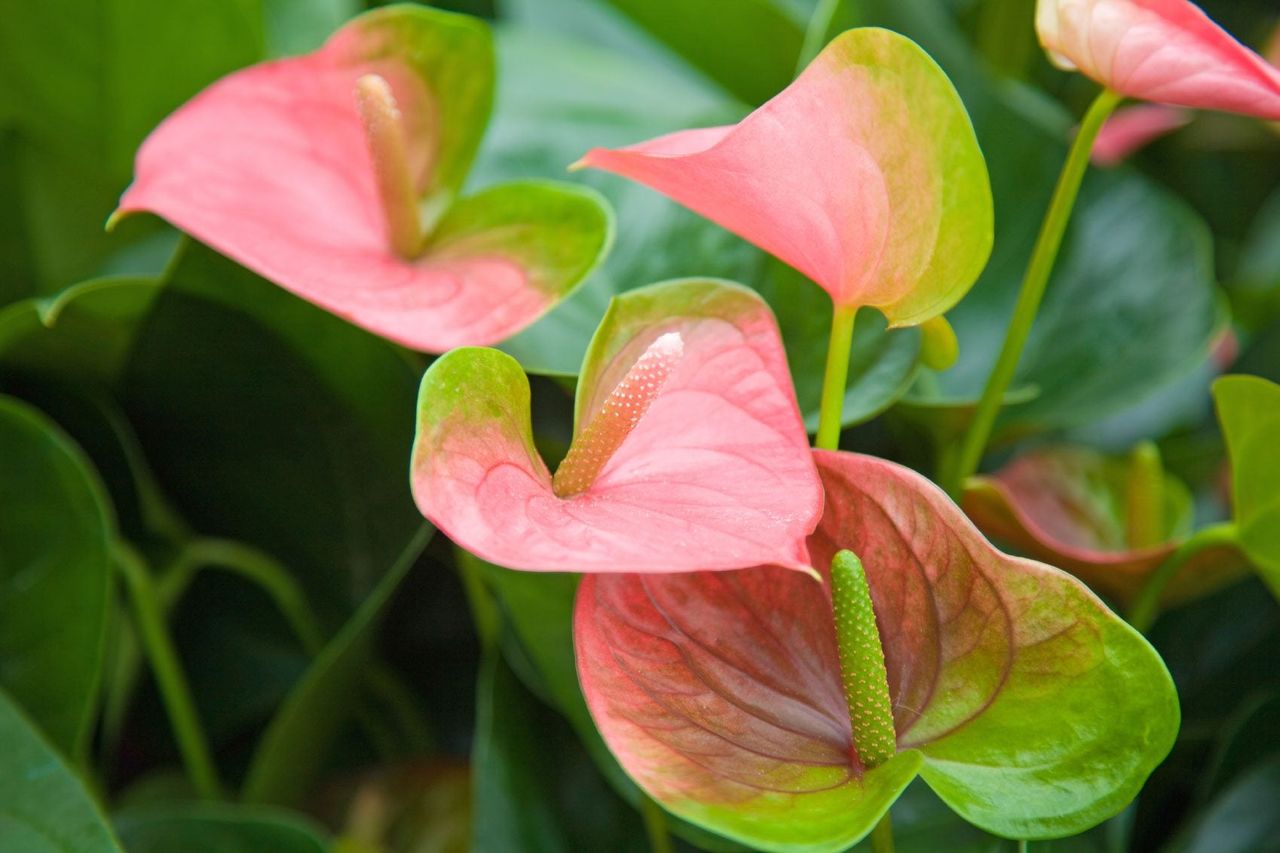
{"points": [[1026, 705], [1166, 51], [1109, 521], [864, 174], [688, 447], [336, 175]]}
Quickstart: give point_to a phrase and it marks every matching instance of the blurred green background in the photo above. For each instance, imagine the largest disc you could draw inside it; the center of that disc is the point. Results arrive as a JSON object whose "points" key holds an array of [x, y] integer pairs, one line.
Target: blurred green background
{"points": [[364, 686]]}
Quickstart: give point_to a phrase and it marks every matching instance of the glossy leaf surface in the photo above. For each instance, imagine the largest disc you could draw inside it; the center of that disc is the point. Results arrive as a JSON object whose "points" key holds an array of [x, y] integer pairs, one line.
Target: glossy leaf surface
{"points": [[55, 575], [46, 808], [1067, 507], [1249, 408], [1167, 51], [715, 474], [1030, 708], [279, 149], [217, 828], [906, 230]]}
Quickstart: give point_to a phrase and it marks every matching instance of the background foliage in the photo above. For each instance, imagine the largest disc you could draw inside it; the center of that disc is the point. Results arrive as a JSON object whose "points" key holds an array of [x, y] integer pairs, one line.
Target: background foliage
{"points": [[364, 686]]}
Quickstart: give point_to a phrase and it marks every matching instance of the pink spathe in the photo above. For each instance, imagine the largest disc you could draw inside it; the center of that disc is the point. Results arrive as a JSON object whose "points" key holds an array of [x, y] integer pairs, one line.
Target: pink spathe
{"points": [[714, 474], [1166, 51], [271, 166]]}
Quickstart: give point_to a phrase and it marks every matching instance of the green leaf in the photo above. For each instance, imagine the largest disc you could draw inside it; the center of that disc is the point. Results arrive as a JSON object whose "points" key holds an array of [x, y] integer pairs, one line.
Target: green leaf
{"points": [[55, 574], [752, 52], [295, 745], [83, 98], [1243, 819], [46, 808], [81, 333], [217, 828], [534, 787], [1249, 408]]}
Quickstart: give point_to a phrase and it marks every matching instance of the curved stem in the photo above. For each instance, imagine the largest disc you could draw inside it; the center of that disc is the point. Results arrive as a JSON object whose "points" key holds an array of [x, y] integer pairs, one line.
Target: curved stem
{"points": [[1147, 606], [882, 836], [266, 573], [835, 378], [1029, 297], [655, 825], [170, 679]]}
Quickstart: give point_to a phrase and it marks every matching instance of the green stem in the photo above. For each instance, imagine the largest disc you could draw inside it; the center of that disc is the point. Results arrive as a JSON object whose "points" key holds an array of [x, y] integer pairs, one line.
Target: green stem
{"points": [[170, 679], [267, 574], [862, 669], [655, 825], [882, 836], [1032, 292], [1023, 845], [1147, 606], [836, 377], [815, 35]]}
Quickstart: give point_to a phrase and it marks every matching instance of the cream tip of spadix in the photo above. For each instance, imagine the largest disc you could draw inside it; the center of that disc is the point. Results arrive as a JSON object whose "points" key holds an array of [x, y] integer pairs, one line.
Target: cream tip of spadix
{"points": [[618, 416], [388, 149]]}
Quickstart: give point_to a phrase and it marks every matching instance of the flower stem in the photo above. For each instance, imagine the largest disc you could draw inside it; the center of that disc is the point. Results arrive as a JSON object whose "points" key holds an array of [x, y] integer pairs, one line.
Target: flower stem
{"points": [[1032, 292], [815, 34], [835, 378], [655, 825], [1147, 606], [862, 669], [170, 679], [882, 836]]}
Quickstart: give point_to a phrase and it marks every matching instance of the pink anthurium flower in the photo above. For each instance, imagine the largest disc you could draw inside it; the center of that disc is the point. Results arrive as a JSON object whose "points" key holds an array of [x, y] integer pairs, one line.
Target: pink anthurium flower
{"points": [[1133, 128], [864, 174], [1021, 700], [688, 449], [336, 175], [1109, 521], [1167, 51]]}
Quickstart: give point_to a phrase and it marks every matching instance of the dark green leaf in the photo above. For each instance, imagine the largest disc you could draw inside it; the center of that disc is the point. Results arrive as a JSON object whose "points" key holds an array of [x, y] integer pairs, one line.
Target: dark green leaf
{"points": [[296, 743], [55, 574], [217, 828], [45, 807]]}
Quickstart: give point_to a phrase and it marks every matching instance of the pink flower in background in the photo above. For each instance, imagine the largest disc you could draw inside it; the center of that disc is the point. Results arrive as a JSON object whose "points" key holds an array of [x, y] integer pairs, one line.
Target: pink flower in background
{"points": [[336, 175], [1133, 128], [1166, 51]]}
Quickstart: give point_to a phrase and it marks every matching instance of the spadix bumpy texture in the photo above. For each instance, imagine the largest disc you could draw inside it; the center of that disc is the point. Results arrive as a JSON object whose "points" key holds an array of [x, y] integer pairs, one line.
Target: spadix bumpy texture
{"points": [[336, 175], [864, 174], [866, 684], [690, 452], [621, 411], [1167, 51], [1030, 708]]}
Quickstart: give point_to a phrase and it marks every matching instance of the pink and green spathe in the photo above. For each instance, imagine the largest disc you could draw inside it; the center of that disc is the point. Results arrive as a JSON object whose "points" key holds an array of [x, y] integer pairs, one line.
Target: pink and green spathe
{"points": [[864, 174], [688, 449], [337, 176]]}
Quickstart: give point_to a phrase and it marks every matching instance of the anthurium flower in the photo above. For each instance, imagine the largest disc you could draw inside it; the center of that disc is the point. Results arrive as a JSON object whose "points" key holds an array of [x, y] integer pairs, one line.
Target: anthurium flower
{"points": [[336, 175], [1024, 703], [1167, 51], [688, 449], [1133, 128], [1110, 521], [864, 174]]}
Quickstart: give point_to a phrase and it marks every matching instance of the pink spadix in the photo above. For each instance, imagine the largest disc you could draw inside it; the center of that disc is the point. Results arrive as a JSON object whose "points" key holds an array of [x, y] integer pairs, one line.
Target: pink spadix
{"points": [[622, 410], [389, 152]]}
